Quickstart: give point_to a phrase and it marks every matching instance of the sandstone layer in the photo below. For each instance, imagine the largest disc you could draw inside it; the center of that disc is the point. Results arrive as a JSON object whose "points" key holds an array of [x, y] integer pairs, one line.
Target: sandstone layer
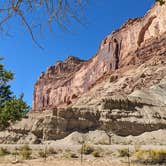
{"points": [[135, 42], [121, 90]]}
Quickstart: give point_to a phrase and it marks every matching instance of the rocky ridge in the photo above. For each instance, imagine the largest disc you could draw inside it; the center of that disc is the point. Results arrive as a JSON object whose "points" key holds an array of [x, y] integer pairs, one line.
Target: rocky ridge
{"points": [[134, 43]]}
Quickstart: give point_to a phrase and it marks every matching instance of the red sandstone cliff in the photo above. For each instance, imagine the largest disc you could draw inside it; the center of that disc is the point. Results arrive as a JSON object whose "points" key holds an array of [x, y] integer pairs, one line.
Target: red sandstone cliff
{"points": [[62, 83]]}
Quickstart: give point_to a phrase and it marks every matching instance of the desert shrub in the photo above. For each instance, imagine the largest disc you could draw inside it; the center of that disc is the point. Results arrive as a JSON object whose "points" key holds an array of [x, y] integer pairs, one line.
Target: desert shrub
{"points": [[97, 153], [151, 156], [4, 152], [43, 153], [70, 154], [73, 155], [87, 149], [123, 152], [25, 152], [15, 152]]}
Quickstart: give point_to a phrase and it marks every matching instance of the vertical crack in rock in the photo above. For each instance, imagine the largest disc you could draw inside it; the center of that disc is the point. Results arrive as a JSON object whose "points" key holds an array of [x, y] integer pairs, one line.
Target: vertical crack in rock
{"points": [[114, 49]]}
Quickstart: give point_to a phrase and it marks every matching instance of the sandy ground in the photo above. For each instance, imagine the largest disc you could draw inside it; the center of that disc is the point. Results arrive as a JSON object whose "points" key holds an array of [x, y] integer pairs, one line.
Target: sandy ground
{"points": [[76, 147], [108, 159], [104, 161]]}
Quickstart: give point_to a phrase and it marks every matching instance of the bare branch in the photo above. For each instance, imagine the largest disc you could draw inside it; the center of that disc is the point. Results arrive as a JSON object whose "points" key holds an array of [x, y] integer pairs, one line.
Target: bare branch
{"points": [[61, 12]]}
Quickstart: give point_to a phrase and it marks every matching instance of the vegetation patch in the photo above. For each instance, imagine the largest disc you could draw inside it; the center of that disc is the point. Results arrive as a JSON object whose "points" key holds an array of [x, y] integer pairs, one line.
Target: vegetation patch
{"points": [[97, 153], [123, 152], [73, 155], [11, 107], [151, 156], [70, 154], [4, 152], [25, 152], [87, 149], [43, 154]]}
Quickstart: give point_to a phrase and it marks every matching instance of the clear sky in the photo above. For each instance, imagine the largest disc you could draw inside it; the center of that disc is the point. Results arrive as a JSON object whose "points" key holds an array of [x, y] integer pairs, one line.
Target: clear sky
{"points": [[27, 61]]}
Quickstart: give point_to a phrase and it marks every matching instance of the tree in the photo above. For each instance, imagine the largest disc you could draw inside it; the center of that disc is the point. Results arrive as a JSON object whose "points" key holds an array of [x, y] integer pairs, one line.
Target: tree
{"points": [[5, 77], [61, 12], [11, 108]]}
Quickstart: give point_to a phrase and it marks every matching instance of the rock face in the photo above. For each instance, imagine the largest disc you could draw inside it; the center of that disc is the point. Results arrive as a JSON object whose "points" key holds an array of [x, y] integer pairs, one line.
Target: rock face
{"points": [[121, 90], [67, 80], [53, 87]]}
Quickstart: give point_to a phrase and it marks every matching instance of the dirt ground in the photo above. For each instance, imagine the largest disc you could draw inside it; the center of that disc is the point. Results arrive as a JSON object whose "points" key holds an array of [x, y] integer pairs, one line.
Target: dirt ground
{"points": [[63, 157], [67, 162]]}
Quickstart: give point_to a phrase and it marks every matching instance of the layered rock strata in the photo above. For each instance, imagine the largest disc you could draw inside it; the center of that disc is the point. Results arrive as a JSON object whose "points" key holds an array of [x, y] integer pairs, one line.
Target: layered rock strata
{"points": [[121, 90], [134, 43]]}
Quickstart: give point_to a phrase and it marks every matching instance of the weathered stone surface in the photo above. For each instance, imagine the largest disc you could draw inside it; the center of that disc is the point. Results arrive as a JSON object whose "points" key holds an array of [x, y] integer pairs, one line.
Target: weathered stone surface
{"points": [[28, 139], [9, 137], [135, 42], [92, 137], [121, 90], [48, 93]]}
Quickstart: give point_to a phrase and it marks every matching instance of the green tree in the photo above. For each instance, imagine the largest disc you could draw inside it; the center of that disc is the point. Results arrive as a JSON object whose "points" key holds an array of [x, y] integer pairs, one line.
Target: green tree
{"points": [[11, 108], [5, 77]]}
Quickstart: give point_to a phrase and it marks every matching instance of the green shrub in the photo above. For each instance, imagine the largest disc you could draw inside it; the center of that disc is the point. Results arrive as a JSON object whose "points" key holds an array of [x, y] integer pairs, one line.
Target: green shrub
{"points": [[151, 156], [4, 152], [123, 152], [43, 154], [25, 152], [87, 149], [96, 153]]}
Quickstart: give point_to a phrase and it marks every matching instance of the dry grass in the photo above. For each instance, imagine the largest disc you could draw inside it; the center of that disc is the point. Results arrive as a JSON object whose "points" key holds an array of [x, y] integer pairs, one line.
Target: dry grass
{"points": [[25, 152], [97, 153], [151, 156], [123, 152], [4, 152], [66, 162], [87, 149]]}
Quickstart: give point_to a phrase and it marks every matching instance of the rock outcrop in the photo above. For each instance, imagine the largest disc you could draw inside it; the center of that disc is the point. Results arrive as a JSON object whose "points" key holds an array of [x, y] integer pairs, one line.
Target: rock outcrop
{"points": [[68, 80], [121, 90], [53, 87]]}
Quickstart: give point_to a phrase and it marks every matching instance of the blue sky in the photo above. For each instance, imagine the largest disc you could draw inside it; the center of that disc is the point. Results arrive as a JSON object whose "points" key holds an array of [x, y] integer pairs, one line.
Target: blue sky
{"points": [[27, 61]]}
